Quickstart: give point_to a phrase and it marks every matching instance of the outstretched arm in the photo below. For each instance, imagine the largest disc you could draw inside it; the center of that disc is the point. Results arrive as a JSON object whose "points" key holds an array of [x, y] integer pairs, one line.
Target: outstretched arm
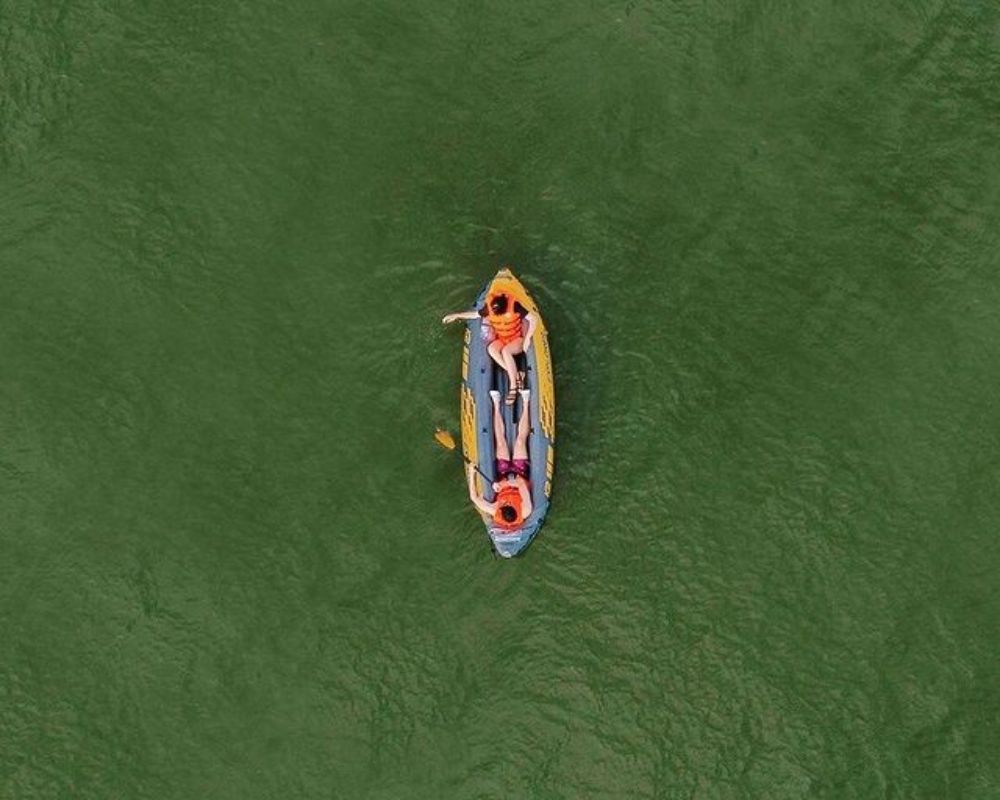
{"points": [[459, 315], [474, 496], [532, 321]]}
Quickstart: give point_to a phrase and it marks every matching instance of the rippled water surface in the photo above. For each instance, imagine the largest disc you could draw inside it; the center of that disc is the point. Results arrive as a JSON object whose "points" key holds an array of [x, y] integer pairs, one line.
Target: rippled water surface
{"points": [[764, 235]]}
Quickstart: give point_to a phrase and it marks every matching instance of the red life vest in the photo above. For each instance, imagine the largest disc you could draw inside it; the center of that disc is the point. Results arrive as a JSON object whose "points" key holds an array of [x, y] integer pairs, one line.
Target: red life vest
{"points": [[509, 495]]}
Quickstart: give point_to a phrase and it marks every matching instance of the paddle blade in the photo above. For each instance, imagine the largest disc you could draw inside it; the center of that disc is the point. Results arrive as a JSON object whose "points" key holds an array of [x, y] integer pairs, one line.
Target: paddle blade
{"points": [[445, 439]]}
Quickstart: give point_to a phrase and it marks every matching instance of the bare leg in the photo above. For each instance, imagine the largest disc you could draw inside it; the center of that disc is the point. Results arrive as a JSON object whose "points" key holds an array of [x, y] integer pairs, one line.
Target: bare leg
{"points": [[499, 431], [523, 427], [510, 350], [495, 349], [507, 353]]}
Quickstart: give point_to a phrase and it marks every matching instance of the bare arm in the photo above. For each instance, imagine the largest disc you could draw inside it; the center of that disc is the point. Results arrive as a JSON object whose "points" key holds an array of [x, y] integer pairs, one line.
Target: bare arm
{"points": [[459, 315], [532, 321], [474, 496], [526, 507]]}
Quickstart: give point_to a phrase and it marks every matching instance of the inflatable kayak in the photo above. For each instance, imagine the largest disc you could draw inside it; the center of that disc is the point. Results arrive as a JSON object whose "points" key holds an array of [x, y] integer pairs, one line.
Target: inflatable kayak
{"points": [[480, 374]]}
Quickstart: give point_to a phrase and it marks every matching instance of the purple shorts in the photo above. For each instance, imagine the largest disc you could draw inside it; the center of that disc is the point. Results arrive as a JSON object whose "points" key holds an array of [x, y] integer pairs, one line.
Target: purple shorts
{"points": [[519, 466]]}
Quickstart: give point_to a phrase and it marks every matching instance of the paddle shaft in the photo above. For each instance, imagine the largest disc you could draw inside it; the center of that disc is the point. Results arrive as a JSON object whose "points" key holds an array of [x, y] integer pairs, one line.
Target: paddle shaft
{"points": [[486, 477], [447, 441]]}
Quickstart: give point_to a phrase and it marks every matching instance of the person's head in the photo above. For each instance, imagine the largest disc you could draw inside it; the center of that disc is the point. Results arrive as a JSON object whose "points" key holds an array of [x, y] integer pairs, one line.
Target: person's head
{"points": [[508, 513], [498, 305]]}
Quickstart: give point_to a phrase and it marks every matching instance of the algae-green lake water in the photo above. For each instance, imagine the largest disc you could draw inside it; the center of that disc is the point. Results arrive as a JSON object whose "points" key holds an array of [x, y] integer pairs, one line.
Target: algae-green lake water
{"points": [[765, 237]]}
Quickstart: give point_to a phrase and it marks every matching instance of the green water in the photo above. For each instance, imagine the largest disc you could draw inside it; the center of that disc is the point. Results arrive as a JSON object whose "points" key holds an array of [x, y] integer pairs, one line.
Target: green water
{"points": [[765, 239]]}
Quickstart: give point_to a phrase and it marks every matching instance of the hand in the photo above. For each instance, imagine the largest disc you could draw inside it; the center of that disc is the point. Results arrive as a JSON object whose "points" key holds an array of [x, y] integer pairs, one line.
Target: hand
{"points": [[496, 487], [447, 318]]}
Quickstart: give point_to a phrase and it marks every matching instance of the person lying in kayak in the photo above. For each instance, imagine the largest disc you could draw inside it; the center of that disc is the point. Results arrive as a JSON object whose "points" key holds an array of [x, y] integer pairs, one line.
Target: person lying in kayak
{"points": [[512, 505], [512, 326]]}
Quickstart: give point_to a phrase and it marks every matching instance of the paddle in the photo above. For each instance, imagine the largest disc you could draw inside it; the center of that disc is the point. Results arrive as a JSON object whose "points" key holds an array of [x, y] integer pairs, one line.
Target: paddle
{"points": [[447, 441]]}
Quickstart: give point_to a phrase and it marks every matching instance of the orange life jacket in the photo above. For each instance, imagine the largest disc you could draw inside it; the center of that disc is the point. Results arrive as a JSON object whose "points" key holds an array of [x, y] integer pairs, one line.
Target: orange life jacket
{"points": [[509, 495], [508, 324]]}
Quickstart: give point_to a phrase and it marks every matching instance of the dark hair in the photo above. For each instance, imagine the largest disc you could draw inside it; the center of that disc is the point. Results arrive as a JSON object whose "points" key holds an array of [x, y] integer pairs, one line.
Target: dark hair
{"points": [[499, 304], [509, 513]]}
